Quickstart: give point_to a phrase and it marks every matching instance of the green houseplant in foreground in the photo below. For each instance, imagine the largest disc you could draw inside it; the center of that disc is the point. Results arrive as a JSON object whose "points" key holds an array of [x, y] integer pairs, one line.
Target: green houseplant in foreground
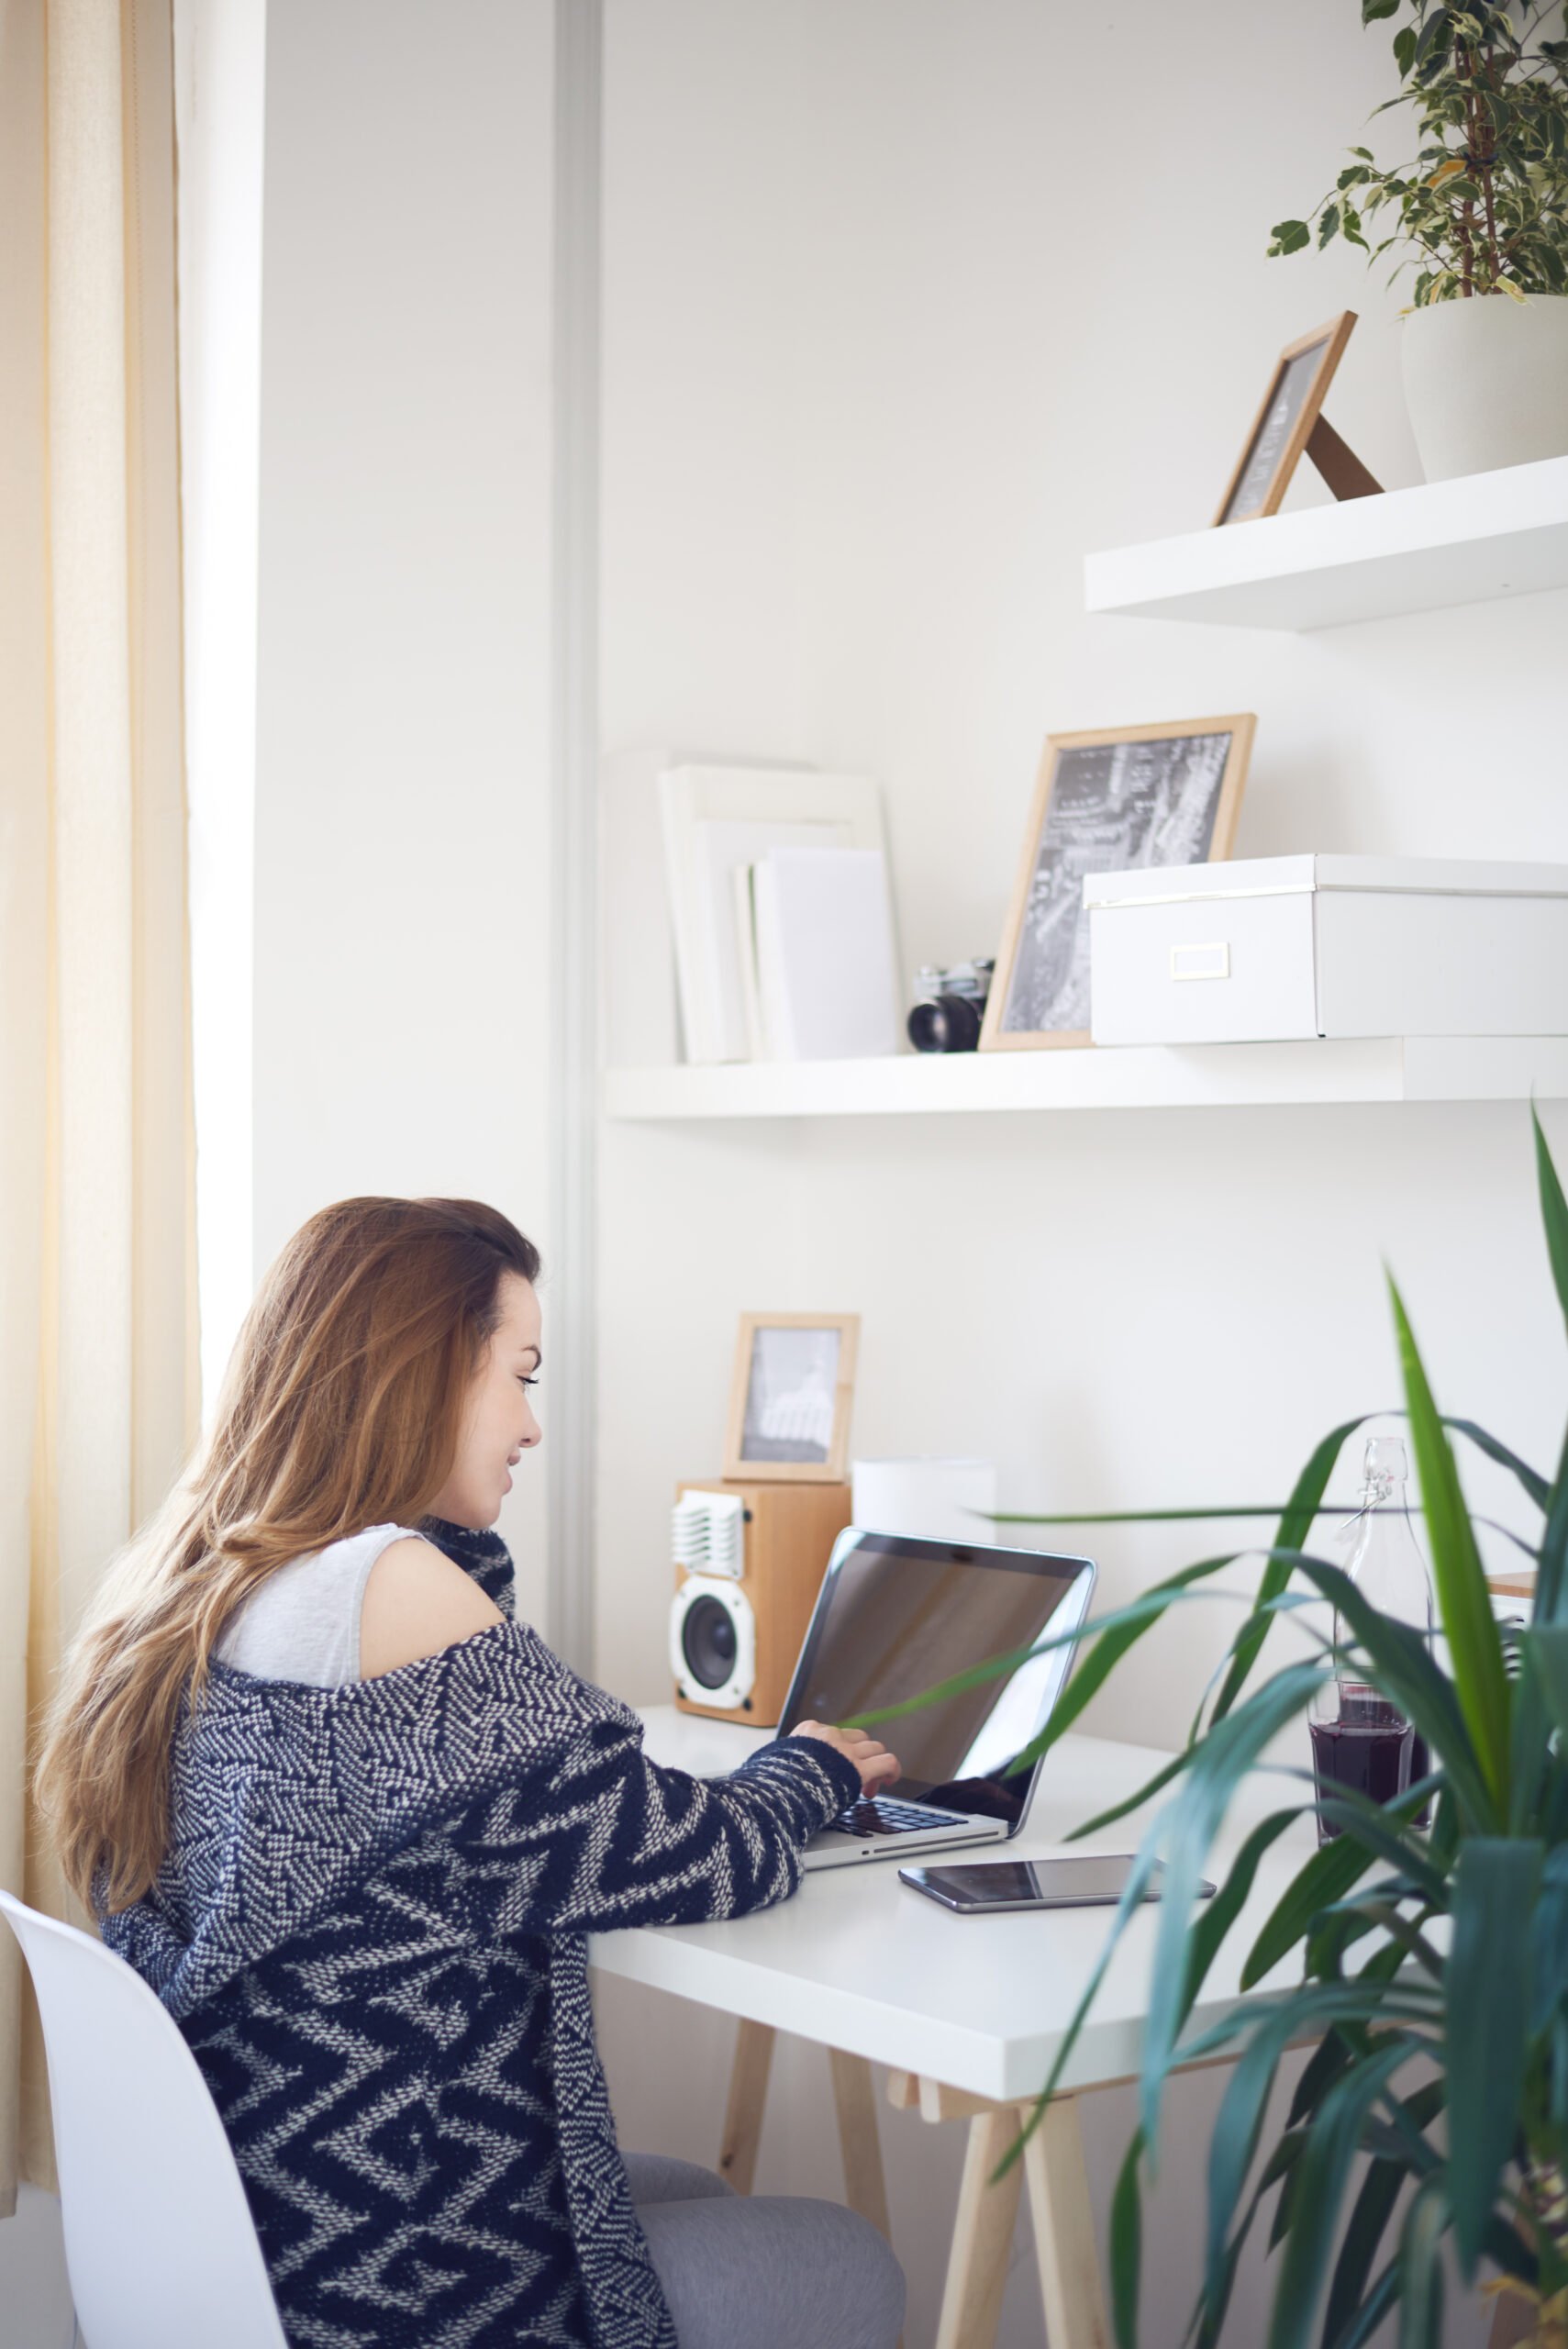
{"points": [[1443, 2056]]}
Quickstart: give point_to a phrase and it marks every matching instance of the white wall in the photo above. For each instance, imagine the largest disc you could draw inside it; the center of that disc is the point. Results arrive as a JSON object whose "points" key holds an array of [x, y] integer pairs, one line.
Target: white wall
{"points": [[220, 98], [403, 928], [894, 331], [906, 307]]}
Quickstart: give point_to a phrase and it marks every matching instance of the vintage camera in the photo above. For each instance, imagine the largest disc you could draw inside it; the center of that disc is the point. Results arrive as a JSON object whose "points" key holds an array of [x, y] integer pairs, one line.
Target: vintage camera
{"points": [[950, 1005]]}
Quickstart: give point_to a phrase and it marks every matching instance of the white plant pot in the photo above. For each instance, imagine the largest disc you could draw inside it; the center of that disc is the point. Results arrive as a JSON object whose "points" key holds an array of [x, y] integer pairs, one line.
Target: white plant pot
{"points": [[1486, 382]]}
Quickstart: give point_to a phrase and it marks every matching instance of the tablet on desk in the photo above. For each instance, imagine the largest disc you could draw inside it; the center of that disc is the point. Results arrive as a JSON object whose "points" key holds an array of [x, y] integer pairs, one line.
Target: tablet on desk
{"points": [[1096, 1880]]}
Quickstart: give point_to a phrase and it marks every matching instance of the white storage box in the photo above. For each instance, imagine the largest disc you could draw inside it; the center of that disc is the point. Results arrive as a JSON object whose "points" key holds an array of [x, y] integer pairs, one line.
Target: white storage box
{"points": [[1278, 946]]}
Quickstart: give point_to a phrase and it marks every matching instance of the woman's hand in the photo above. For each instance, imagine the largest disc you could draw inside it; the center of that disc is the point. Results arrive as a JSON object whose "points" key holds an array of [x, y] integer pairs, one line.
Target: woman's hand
{"points": [[876, 1766]]}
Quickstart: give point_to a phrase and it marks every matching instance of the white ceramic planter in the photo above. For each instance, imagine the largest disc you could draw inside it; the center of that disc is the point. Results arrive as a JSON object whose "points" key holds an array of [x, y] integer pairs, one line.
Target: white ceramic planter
{"points": [[1486, 382]]}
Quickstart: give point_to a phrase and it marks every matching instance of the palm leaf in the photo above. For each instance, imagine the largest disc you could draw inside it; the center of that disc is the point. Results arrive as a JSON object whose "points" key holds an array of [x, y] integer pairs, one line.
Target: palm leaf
{"points": [[1321, 2177], [1314, 2006], [1475, 1648], [1126, 2246], [1495, 1888], [1113, 1633], [1356, 1815], [1534, 1483], [1327, 1876], [1295, 1523], [1549, 1941], [1376, 1910], [1215, 1919], [1553, 1212], [1219, 1764], [1137, 1881], [1208, 2321], [1541, 1689], [1420, 2268], [1551, 1578], [1238, 2126], [1373, 2310], [1404, 1670], [1145, 1793]]}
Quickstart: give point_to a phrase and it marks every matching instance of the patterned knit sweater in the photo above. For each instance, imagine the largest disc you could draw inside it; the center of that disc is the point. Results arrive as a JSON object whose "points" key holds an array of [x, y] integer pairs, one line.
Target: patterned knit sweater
{"points": [[370, 1927]]}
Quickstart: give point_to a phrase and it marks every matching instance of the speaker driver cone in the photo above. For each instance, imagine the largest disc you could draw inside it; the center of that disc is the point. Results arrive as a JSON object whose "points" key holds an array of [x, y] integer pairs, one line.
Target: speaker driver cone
{"points": [[708, 1642]]}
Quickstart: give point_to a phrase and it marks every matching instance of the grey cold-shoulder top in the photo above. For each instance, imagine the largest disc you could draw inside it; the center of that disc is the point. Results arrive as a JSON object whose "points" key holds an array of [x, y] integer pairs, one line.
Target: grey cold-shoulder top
{"points": [[303, 1622]]}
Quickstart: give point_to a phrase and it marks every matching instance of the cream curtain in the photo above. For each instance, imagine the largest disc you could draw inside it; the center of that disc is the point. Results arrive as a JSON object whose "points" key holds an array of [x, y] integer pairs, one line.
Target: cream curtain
{"points": [[98, 1363]]}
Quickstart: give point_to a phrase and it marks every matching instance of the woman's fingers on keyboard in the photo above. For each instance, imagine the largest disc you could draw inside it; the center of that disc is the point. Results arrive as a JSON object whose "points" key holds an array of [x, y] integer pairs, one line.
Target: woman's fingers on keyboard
{"points": [[876, 1766]]}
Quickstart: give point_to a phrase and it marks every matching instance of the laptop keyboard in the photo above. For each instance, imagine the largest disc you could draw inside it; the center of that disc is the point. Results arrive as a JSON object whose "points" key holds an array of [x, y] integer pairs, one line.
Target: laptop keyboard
{"points": [[879, 1816]]}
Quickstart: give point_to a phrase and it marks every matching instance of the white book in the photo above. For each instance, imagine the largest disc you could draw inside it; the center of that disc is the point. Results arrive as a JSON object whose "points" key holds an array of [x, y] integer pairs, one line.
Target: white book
{"points": [[746, 947], [718, 847], [826, 971], [770, 803]]}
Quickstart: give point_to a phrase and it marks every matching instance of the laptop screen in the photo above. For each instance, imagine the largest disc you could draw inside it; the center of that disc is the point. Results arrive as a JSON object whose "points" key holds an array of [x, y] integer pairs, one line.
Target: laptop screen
{"points": [[896, 1615]]}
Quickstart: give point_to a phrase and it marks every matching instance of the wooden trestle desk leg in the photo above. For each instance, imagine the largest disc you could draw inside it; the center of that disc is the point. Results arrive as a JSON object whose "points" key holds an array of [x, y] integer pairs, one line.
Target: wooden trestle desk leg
{"points": [[854, 2098], [865, 2186], [1064, 2228], [1059, 2205], [748, 2095]]}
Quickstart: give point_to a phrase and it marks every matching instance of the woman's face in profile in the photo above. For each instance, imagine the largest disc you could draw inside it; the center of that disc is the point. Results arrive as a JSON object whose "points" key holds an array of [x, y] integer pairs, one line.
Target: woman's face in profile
{"points": [[498, 1424]]}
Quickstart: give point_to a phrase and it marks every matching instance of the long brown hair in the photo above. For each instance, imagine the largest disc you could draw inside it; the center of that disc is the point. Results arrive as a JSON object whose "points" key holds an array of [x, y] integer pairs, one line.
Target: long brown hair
{"points": [[341, 1408]]}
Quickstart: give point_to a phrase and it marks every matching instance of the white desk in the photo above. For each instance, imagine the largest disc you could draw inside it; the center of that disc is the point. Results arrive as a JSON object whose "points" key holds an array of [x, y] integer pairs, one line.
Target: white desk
{"points": [[966, 2012]]}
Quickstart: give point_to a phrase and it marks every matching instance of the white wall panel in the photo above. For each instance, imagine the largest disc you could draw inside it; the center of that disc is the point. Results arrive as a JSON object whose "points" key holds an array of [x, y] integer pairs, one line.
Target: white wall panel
{"points": [[404, 946]]}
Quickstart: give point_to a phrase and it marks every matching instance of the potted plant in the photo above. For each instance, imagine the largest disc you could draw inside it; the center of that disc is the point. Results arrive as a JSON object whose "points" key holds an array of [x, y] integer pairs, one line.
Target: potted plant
{"points": [[1481, 212], [1430, 1968]]}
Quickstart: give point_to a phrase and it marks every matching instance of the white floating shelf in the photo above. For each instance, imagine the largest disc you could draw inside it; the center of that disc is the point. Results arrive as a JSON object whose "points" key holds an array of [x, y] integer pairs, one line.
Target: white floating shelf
{"points": [[1379, 1068], [1462, 541]]}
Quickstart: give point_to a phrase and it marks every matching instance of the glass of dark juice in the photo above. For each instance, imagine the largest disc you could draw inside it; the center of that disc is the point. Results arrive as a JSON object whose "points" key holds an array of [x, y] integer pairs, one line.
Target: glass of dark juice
{"points": [[1361, 1744]]}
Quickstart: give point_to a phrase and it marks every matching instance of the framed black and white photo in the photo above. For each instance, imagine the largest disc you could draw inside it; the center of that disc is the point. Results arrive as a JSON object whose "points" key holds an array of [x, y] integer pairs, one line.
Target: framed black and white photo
{"points": [[1112, 801], [1284, 424], [790, 1401]]}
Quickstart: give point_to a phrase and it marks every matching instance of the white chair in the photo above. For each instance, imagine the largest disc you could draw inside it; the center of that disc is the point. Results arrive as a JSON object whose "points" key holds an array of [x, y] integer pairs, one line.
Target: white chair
{"points": [[159, 2245]]}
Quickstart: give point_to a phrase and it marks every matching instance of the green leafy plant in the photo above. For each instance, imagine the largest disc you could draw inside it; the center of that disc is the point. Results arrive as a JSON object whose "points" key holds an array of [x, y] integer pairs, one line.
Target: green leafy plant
{"points": [[1483, 205], [1431, 1970]]}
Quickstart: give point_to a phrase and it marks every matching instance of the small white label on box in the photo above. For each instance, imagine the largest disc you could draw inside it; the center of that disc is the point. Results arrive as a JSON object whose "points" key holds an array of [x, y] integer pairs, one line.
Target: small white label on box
{"points": [[1201, 962]]}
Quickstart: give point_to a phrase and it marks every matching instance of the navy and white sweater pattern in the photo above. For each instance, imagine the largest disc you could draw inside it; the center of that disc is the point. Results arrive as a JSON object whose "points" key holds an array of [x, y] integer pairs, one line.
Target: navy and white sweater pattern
{"points": [[370, 1927]]}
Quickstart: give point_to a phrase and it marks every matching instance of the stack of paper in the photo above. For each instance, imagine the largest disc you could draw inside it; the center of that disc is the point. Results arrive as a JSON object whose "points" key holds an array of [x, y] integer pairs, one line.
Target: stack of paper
{"points": [[723, 826], [825, 987], [720, 851]]}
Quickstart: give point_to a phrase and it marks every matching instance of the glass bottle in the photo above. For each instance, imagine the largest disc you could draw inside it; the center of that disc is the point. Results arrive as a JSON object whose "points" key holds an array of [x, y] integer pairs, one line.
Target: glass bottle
{"points": [[1386, 1563], [1354, 1727]]}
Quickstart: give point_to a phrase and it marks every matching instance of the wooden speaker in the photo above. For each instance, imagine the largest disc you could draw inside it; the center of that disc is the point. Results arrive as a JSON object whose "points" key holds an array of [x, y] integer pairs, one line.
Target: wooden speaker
{"points": [[747, 1574]]}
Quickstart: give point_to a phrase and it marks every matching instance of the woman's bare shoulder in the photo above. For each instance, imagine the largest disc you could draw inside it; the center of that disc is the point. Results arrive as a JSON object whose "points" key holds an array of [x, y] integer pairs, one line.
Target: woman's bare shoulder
{"points": [[417, 1601]]}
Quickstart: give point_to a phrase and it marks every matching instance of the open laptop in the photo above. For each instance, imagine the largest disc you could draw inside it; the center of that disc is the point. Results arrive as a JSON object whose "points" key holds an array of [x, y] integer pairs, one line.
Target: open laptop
{"points": [[895, 1615]]}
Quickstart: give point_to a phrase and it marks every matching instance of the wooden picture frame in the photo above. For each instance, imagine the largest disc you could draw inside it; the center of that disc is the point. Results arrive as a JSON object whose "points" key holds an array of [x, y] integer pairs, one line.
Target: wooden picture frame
{"points": [[1286, 422], [1094, 811], [808, 1441]]}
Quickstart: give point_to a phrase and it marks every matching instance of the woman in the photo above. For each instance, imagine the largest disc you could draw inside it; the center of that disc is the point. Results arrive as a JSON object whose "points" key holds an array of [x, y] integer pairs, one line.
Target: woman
{"points": [[352, 1821]]}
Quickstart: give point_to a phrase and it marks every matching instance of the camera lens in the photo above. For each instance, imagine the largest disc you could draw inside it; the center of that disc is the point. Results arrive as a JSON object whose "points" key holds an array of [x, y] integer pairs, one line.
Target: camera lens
{"points": [[707, 1642], [948, 1023]]}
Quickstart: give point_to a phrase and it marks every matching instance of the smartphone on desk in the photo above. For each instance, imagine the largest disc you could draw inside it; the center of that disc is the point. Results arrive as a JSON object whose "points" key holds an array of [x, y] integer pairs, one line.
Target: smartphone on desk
{"points": [[1098, 1879]]}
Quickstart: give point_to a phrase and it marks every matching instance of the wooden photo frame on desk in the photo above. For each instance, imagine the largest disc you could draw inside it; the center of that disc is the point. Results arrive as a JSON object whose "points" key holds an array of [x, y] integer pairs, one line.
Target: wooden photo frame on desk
{"points": [[1109, 801], [791, 1397], [1289, 424]]}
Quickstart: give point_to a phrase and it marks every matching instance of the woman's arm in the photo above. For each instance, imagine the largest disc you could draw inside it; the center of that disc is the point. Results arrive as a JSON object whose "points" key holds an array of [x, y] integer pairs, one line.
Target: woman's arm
{"points": [[595, 1834], [612, 1839]]}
